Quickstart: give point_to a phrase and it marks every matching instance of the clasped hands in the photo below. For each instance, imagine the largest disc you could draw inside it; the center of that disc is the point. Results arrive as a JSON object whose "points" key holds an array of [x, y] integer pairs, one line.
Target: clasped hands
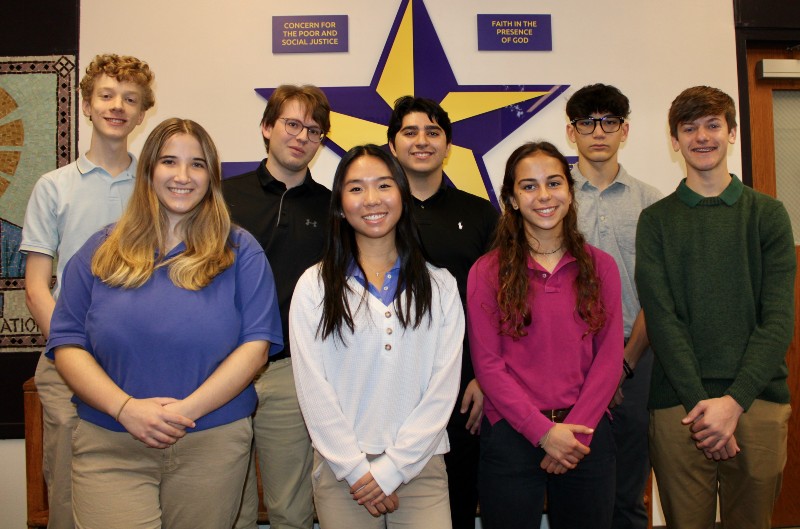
{"points": [[712, 423], [368, 493], [563, 450], [158, 422]]}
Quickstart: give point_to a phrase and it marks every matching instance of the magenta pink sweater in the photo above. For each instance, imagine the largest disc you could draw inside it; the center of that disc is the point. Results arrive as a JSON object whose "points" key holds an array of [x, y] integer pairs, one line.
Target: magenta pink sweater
{"points": [[555, 366]]}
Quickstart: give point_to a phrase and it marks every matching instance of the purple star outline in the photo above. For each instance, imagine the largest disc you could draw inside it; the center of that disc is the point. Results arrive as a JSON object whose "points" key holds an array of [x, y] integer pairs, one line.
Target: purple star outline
{"points": [[434, 79]]}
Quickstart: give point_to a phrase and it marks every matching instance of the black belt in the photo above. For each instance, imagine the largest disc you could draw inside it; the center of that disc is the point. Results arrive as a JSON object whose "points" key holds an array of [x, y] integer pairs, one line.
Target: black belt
{"points": [[557, 415]]}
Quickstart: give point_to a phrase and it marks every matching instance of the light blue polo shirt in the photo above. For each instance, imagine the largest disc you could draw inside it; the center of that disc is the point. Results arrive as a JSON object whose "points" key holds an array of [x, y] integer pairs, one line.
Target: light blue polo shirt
{"points": [[69, 205]]}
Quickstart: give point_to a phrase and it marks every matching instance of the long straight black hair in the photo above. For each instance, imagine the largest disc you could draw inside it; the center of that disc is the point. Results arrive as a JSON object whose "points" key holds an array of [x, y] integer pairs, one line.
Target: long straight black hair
{"points": [[413, 300]]}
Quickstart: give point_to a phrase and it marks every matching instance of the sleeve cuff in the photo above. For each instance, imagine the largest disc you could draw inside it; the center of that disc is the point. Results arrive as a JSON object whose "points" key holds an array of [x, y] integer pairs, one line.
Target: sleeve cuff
{"points": [[742, 397], [692, 400], [362, 468], [386, 474], [29, 248], [275, 340], [75, 341], [535, 427]]}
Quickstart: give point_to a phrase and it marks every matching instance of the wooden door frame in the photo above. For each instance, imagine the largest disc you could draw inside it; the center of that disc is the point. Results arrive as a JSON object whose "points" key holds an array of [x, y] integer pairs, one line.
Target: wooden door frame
{"points": [[763, 178], [762, 141], [749, 38]]}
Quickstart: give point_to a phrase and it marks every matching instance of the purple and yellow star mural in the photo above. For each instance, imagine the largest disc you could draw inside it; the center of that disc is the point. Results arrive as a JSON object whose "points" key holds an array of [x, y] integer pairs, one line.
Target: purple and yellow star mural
{"points": [[413, 62]]}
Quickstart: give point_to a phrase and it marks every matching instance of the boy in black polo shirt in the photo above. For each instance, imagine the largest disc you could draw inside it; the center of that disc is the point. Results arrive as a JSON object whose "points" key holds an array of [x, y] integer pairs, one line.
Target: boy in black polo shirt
{"points": [[456, 228], [286, 211]]}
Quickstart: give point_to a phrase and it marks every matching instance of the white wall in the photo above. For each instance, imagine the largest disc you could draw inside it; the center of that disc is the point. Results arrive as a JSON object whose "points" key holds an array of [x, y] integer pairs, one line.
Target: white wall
{"points": [[13, 513], [207, 63], [209, 56]]}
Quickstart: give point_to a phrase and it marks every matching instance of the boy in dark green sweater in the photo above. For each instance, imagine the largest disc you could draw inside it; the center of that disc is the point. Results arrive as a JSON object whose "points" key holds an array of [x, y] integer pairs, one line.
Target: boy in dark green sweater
{"points": [[715, 272]]}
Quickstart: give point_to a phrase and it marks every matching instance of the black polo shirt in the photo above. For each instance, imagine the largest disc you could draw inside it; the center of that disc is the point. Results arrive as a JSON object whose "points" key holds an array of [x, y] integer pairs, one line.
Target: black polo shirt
{"points": [[290, 224], [456, 228]]}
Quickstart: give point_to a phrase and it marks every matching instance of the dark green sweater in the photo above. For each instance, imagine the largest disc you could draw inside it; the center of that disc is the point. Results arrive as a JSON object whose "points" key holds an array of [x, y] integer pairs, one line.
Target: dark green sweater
{"points": [[716, 282]]}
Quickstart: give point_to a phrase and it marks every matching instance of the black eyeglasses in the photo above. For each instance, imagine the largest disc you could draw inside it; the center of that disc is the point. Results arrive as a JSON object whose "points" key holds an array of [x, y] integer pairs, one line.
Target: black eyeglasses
{"points": [[294, 127], [609, 124]]}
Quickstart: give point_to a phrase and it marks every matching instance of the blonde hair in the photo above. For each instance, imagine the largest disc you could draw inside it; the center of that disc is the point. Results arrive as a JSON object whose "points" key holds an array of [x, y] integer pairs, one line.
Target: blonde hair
{"points": [[123, 68], [137, 244]]}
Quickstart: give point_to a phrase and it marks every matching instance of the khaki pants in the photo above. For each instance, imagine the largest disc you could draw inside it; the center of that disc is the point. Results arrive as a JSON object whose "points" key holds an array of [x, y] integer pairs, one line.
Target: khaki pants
{"points": [[424, 501], [748, 484], [59, 418], [284, 455], [121, 483]]}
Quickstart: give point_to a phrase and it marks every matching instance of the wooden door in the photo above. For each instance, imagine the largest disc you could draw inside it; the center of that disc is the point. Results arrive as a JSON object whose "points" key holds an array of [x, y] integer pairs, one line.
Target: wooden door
{"points": [[761, 95]]}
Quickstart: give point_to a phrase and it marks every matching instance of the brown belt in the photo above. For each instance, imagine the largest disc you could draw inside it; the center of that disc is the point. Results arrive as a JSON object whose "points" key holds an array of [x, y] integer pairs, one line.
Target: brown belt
{"points": [[557, 415]]}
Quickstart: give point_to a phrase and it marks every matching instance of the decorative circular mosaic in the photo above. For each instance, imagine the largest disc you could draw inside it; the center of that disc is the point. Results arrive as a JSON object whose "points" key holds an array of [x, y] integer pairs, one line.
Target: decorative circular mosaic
{"points": [[11, 135]]}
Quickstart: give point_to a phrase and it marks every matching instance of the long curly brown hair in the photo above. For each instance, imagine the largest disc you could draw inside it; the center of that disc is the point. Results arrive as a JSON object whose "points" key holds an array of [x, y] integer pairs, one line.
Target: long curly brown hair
{"points": [[513, 250]]}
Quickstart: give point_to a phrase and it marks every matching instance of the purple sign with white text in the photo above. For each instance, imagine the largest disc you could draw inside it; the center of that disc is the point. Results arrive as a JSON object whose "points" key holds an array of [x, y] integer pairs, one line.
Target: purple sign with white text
{"points": [[483, 115], [309, 34], [515, 33]]}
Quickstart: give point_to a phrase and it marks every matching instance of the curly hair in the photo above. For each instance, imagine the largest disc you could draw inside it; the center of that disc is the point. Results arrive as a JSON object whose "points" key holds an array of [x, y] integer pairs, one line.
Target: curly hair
{"points": [[513, 251], [123, 68]]}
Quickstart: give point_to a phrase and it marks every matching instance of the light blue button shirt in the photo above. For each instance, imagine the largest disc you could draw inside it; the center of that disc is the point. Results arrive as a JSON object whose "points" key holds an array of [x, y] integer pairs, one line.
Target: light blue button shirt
{"points": [[608, 220]]}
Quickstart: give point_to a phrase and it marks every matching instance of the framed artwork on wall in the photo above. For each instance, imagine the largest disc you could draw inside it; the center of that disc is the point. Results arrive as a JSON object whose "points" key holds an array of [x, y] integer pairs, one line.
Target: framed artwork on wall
{"points": [[37, 135]]}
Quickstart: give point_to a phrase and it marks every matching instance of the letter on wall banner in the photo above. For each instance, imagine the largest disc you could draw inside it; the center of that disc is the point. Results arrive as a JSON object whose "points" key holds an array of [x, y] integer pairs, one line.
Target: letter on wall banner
{"points": [[309, 34], [413, 62], [515, 33]]}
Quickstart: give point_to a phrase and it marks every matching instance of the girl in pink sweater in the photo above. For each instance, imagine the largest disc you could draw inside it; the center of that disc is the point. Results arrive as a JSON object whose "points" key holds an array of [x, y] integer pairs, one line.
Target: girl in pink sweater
{"points": [[545, 324]]}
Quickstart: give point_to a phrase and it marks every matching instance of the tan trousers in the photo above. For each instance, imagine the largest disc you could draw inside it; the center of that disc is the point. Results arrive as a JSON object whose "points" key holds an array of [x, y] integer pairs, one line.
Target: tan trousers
{"points": [[424, 502], [59, 418], [748, 484], [284, 454], [121, 483]]}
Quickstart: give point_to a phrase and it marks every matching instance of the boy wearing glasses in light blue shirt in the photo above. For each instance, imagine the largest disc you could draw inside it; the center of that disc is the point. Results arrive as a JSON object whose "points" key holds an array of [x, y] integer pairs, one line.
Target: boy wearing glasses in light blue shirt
{"points": [[609, 202]]}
